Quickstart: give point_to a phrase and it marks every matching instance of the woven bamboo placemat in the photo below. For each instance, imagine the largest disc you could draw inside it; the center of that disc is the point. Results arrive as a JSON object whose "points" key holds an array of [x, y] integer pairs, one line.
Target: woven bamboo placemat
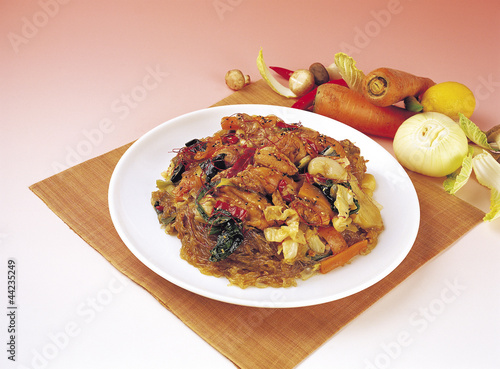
{"points": [[249, 337]]}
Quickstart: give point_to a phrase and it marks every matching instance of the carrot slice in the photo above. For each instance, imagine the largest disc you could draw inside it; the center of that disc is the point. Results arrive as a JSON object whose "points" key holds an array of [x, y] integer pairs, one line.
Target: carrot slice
{"points": [[342, 258]]}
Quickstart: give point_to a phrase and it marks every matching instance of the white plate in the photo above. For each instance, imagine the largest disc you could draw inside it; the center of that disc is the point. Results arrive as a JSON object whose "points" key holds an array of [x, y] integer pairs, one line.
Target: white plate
{"points": [[136, 173]]}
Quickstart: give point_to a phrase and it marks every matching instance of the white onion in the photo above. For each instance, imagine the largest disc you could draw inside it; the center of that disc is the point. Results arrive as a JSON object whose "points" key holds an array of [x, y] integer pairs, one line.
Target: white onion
{"points": [[431, 144]]}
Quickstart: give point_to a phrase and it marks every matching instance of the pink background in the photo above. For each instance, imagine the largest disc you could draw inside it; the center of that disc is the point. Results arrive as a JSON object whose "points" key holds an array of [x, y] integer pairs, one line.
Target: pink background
{"points": [[79, 78]]}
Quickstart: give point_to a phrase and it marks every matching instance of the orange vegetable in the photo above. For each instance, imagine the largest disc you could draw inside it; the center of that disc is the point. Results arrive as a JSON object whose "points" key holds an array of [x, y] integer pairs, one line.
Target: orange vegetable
{"points": [[229, 123], [334, 239], [342, 258], [350, 107], [386, 86]]}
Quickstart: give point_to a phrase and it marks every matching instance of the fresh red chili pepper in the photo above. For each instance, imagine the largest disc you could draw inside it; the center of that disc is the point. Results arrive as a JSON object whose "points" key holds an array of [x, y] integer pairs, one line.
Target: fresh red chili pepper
{"points": [[243, 161], [230, 139], [306, 101], [234, 210], [283, 72]]}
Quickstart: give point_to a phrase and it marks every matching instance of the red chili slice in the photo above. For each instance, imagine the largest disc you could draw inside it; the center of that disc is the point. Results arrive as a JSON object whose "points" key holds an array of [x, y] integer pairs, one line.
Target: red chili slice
{"points": [[281, 187], [281, 124], [313, 147], [235, 211], [230, 139], [243, 161], [309, 178]]}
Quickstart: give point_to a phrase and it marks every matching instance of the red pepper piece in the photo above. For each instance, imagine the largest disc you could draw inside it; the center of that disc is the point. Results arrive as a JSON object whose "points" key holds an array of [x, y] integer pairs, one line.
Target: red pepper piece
{"points": [[230, 139], [281, 124], [235, 211], [281, 187], [243, 161], [283, 72], [312, 146], [306, 101], [309, 178]]}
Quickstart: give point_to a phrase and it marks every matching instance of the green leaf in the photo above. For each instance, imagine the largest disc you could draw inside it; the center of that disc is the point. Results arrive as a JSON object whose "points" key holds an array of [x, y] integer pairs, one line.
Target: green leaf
{"points": [[229, 239], [473, 132], [459, 178], [168, 220], [203, 191], [266, 74], [494, 206], [229, 230], [347, 69], [412, 104], [487, 171]]}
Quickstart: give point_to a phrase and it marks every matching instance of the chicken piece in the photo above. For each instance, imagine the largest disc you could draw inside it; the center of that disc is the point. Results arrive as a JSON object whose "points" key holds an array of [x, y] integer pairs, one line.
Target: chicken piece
{"points": [[308, 214], [358, 163], [277, 199], [289, 145], [271, 157], [231, 154], [312, 206], [191, 182], [262, 180], [252, 202], [333, 238]]}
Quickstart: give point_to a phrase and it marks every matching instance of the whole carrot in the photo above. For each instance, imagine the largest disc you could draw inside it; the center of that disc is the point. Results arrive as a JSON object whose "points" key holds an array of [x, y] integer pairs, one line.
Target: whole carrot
{"points": [[350, 107], [386, 86]]}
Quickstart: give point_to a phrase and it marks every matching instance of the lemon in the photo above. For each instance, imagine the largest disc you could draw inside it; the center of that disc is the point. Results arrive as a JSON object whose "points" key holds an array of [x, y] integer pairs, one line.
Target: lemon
{"points": [[449, 98]]}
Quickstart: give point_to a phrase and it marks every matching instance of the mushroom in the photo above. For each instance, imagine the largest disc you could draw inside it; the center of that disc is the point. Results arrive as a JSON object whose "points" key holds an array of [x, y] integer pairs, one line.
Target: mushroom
{"points": [[320, 73], [493, 136], [301, 82], [236, 80], [328, 167]]}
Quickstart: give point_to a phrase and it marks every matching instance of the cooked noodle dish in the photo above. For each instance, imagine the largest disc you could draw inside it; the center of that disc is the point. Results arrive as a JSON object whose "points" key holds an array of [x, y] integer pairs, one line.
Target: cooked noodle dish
{"points": [[265, 203]]}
